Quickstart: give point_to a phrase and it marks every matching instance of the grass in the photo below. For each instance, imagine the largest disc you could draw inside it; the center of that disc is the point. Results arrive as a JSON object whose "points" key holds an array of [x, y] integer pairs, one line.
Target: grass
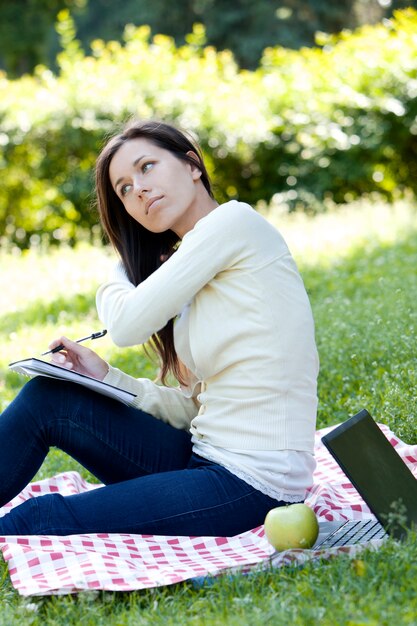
{"points": [[358, 265]]}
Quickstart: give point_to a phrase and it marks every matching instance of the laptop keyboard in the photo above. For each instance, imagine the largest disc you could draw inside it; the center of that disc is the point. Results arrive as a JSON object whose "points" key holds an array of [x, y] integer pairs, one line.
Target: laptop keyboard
{"points": [[358, 531]]}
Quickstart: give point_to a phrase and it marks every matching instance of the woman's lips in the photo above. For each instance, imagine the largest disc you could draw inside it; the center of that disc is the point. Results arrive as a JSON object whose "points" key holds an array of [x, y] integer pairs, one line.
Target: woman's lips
{"points": [[151, 202]]}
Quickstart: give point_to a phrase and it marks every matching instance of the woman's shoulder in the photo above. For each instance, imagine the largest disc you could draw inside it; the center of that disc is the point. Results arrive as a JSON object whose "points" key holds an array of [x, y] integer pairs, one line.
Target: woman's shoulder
{"points": [[234, 209], [242, 220], [236, 215], [233, 230]]}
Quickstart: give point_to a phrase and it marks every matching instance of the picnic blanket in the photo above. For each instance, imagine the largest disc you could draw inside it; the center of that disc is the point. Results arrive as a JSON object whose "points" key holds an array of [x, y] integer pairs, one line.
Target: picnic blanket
{"points": [[44, 565]]}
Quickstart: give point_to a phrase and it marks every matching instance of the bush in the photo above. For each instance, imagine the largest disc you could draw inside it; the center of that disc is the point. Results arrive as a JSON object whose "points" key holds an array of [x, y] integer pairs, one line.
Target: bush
{"points": [[333, 122], [347, 125]]}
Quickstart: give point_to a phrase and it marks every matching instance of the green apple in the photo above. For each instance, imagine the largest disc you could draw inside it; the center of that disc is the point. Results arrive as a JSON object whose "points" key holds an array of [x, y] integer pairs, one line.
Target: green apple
{"points": [[291, 526]]}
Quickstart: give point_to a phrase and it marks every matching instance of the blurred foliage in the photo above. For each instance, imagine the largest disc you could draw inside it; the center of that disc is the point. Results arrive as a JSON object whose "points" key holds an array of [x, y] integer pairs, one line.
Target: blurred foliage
{"points": [[25, 28], [310, 127], [243, 26], [27, 36]]}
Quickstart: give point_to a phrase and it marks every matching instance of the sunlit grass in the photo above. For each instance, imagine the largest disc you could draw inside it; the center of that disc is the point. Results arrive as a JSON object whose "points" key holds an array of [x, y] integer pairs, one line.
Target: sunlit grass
{"points": [[339, 232], [49, 294], [359, 267]]}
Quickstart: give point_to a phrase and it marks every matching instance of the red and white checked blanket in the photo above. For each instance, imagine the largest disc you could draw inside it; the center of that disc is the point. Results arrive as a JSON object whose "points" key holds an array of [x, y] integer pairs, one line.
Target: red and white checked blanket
{"points": [[42, 565]]}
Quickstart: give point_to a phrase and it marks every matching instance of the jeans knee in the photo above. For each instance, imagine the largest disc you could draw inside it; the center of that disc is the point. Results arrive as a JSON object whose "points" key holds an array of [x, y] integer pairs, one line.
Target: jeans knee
{"points": [[45, 394], [39, 386], [21, 520], [38, 402]]}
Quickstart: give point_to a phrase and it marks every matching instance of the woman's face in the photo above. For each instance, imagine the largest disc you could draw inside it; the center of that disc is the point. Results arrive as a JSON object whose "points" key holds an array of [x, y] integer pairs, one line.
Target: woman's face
{"points": [[157, 189]]}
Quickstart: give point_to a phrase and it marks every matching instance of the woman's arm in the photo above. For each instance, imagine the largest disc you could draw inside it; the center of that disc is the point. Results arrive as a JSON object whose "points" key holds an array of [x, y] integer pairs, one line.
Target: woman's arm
{"points": [[166, 403], [132, 314], [169, 404]]}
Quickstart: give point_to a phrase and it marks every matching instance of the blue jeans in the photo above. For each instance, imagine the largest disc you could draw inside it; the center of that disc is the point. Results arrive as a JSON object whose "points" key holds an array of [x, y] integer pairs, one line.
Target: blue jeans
{"points": [[153, 483]]}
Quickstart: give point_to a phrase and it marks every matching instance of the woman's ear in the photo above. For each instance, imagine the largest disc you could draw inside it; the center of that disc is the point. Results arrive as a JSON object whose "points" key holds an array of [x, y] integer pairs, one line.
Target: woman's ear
{"points": [[195, 169]]}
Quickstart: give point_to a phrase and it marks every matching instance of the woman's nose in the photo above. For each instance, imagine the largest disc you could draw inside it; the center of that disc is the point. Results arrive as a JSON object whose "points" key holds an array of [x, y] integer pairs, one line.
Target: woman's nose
{"points": [[138, 186]]}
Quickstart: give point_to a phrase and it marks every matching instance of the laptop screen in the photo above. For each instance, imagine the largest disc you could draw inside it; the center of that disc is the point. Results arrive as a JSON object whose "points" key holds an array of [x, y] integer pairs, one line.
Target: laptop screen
{"points": [[376, 470]]}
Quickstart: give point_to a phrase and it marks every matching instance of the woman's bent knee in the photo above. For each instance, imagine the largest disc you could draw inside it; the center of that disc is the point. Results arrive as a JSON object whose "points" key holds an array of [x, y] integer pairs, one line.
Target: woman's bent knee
{"points": [[48, 394], [22, 520]]}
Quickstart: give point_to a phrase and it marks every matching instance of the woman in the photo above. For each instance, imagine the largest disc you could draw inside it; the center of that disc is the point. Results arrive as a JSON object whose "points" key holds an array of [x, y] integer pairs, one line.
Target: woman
{"points": [[217, 290]]}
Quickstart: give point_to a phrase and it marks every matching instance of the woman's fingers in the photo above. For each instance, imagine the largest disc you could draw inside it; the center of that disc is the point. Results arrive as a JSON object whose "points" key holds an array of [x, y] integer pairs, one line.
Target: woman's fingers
{"points": [[62, 360], [79, 358]]}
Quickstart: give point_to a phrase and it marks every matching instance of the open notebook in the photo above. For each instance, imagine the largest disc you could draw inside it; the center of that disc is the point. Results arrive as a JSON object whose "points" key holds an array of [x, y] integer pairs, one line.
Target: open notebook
{"points": [[37, 367]]}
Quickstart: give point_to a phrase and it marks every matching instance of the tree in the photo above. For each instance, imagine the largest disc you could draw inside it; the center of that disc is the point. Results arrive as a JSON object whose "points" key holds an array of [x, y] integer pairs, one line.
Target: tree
{"points": [[27, 35], [25, 29], [243, 26]]}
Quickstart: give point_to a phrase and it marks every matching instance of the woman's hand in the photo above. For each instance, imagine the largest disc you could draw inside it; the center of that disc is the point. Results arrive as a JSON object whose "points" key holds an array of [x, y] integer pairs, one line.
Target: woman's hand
{"points": [[79, 358]]}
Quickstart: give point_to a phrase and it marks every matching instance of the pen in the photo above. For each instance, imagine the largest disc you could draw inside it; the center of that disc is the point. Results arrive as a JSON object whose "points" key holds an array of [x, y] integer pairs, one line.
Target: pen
{"points": [[61, 346]]}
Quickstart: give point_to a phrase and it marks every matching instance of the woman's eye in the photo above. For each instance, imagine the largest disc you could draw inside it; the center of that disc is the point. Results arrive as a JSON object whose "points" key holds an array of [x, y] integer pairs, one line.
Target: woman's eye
{"points": [[147, 166], [124, 189]]}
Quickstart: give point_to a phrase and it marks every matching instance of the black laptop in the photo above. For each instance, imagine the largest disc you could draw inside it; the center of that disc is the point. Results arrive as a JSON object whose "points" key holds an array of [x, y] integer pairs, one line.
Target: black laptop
{"points": [[380, 476]]}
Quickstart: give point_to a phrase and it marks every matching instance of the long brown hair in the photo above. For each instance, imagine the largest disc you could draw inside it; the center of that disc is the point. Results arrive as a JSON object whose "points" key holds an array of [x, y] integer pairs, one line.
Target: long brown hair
{"points": [[140, 250]]}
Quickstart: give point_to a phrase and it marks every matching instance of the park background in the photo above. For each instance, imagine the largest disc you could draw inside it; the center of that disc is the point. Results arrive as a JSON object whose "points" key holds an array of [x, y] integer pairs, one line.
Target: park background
{"points": [[307, 110]]}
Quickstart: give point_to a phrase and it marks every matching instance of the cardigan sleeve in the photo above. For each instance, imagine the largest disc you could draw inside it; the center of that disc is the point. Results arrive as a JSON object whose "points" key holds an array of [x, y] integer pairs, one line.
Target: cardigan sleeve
{"points": [[132, 314], [169, 404]]}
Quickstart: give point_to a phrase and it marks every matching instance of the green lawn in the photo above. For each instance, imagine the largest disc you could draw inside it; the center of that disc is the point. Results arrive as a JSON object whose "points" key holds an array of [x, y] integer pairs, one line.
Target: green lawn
{"points": [[359, 267]]}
